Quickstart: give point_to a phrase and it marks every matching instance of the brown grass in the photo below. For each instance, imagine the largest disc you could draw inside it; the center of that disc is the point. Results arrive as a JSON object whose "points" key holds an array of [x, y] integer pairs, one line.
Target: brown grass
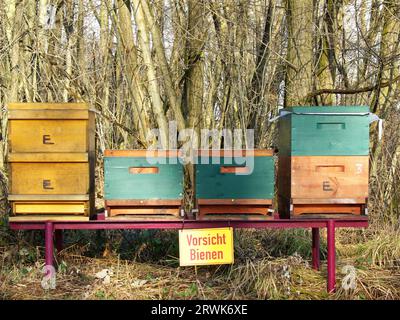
{"points": [[255, 275]]}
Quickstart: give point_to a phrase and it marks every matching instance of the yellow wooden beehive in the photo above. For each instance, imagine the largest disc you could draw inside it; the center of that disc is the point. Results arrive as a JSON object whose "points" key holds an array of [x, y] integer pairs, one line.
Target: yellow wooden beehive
{"points": [[51, 160]]}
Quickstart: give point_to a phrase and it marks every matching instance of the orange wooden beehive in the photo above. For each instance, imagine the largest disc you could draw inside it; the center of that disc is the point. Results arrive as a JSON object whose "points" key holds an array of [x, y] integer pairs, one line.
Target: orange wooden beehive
{"points": [[323, 164]]}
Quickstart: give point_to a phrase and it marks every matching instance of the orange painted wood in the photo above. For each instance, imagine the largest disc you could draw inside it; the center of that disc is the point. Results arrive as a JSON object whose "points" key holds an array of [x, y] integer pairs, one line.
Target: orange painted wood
{"points": [[249, 217], [232, 209], [141, 153], [330, 201], [233, 169], [234, 201], [143, 170], [307, 209], [329, 177], [143, 217], [240, 153]]}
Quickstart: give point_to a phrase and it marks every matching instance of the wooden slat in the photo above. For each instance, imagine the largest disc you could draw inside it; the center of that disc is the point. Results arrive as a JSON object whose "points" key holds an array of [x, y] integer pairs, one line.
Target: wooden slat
{"points": [[250, 217], [47, 106], [33, 218], [143, 211], [45, 197], [234, 201], [48, 114], [143, 202], [232, 153], [143, 170], [141, 153], [143, 217], [220, 209], [49, 208], [48, 135], [330, 201], [47, 157], [326, 209]]}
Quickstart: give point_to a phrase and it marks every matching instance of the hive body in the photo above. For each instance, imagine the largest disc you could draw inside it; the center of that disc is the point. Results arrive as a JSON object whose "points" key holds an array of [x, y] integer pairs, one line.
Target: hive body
{"points": [[230, 185], [143, 185], [51, 159], [323, 161]]}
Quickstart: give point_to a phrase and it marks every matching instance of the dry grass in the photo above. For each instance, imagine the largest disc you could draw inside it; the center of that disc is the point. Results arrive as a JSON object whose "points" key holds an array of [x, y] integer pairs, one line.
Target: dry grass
{"points": [[255, 275]]}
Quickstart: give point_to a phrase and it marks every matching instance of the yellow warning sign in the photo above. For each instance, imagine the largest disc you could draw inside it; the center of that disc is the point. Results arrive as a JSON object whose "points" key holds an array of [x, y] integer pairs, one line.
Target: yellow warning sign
{"points": [[205, 246]]}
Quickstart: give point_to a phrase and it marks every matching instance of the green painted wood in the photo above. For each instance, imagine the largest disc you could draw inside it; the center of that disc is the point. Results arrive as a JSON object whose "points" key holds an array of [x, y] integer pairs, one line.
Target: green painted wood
{"points": [[119, 184], [324, 135], [211, 184]]}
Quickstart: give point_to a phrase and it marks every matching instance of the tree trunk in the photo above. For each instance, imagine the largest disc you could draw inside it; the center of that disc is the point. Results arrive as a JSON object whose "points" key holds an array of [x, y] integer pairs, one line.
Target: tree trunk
{"points": [[299, 74]]}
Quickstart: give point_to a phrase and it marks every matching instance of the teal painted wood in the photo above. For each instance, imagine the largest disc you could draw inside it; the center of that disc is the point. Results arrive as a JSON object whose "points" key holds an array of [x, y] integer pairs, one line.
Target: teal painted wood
{"points": [[119, 184], [306, 134], [211, 184]]}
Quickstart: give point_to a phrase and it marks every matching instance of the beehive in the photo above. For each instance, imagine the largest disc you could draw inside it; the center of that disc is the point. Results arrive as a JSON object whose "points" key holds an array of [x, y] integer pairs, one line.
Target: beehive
{"points": [[143, 185], [51, 159], [235, 184], [323, 160]]}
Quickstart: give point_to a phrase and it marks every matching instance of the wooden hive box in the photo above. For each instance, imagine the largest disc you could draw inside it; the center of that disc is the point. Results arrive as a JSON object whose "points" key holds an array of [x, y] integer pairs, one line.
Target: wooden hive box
{"points": [[143, 185], [323, 162], [51, 160], [235, 184]]}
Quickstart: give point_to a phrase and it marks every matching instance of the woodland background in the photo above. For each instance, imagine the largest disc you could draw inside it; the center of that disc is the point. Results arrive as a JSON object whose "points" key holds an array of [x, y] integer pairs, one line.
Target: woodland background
{"points": [[212, 64]]}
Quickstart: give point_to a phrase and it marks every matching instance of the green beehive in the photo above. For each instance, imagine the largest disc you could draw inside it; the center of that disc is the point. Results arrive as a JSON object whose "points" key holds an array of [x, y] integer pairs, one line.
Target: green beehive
{"points": [[324, 131], [130, 178], [214, 183]]}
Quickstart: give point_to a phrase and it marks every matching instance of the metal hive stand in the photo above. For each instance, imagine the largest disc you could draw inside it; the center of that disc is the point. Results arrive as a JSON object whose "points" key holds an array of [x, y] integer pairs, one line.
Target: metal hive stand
{"points": [[53, 231]]}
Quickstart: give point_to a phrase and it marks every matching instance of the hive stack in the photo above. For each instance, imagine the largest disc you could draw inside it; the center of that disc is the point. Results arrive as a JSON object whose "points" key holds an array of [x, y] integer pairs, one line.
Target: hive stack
{"points": [[143, 185], [323, 161], [234, 184], [51, 161]]}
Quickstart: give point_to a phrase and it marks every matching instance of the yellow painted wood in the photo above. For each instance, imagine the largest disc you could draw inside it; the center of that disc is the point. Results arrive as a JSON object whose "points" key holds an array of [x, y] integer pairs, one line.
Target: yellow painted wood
{"points": [[48, 157], [49, 178], [47, 217], [48, 136], [49, 106], [48, 114], [50, 208], [52, 153], [48, 197]]}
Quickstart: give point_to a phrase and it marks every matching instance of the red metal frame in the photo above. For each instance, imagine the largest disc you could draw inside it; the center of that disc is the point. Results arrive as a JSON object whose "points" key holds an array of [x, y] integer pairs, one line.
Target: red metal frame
{"points": [[54, 228]]}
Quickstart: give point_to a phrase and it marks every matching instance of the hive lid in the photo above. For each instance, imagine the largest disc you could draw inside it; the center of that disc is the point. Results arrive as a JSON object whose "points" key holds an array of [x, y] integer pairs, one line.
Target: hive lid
{"points": [[47, 106], [48, 111], [327, 109]]}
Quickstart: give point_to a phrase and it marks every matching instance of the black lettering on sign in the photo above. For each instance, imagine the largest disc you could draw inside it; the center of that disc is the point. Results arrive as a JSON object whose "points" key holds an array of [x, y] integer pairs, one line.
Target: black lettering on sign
{"points": [[47, 185], [47, 139], [326, 186]]}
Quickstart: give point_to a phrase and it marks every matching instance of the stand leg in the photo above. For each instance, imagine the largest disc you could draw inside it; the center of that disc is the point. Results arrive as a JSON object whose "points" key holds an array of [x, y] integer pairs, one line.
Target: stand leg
{"points": [[49, 245], [315, 249], [331, 256], [59, 239]]}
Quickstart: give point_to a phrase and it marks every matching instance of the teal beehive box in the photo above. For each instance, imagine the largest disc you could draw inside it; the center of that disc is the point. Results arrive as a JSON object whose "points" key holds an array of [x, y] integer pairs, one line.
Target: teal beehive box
{"points": [[229, 184], [324, 131], [136, 184]]}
